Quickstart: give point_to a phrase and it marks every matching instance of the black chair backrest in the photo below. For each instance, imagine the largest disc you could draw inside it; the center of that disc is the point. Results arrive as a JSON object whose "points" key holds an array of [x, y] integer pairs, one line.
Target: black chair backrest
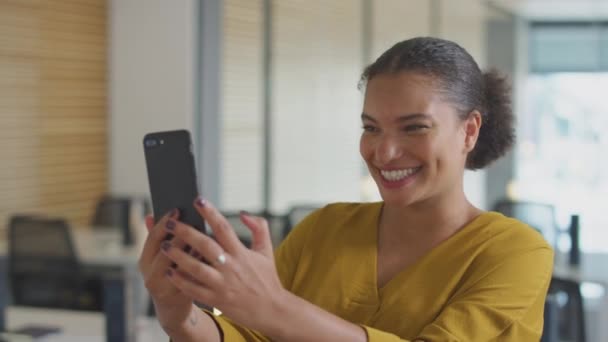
{"points": [[275, 225], [540, 216], [43, 266], [4, 291], [112, 212], [296, 214], [234, 219], [565, 316], [115, 212]]}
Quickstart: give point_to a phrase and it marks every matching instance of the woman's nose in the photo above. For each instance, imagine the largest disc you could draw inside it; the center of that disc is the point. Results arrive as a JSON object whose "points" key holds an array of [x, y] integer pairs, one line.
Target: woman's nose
{"points": [[388, 150]]}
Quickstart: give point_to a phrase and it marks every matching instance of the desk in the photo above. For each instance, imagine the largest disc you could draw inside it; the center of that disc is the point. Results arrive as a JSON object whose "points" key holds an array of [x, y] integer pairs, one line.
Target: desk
{"points": [[101, 249], [77, 326], [593, 268]]}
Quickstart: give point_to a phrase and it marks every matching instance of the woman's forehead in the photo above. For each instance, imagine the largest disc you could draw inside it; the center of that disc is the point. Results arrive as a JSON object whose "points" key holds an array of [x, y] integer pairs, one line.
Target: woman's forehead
{"points": [[400, 94]]}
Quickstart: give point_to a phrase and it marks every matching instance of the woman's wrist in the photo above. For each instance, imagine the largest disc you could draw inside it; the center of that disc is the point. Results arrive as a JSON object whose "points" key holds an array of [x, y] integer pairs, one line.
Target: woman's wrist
{"points": [[275, 325], [196, 327], [175, 327]]}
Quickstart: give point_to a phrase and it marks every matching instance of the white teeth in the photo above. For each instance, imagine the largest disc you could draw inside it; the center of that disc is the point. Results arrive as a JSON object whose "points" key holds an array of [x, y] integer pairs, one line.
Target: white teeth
{"points": [[396, 175]]}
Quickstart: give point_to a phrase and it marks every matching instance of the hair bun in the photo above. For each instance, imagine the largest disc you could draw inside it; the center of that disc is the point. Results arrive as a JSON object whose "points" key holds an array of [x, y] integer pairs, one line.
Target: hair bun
{"points": [[497, 132]]}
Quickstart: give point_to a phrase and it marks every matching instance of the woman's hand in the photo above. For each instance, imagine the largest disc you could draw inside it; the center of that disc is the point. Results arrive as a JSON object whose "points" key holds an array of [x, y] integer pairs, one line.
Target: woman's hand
{"points": [[172, 307], [241, 282]]}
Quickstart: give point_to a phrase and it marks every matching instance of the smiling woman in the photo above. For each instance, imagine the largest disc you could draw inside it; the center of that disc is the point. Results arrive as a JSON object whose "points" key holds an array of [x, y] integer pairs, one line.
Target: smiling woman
{"points": [[422, 265]]}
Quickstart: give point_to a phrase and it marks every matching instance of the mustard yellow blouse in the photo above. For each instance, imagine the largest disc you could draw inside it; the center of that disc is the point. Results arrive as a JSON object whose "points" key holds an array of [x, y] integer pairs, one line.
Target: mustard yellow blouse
{"points": [[487, 282]]}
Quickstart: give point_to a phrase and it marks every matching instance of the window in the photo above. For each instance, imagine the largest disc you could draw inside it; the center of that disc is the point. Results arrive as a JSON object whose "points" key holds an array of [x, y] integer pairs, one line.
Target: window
{"points": [[562, 150]]}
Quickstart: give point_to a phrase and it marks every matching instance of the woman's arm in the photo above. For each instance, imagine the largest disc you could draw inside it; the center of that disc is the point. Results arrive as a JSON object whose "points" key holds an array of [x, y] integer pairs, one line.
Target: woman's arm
{"points": [[176, 313], [296, 319]]}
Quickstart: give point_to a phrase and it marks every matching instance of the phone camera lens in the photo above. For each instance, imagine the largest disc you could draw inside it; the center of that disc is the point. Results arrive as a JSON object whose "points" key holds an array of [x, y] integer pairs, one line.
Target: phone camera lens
{"points": [[150, 142]]}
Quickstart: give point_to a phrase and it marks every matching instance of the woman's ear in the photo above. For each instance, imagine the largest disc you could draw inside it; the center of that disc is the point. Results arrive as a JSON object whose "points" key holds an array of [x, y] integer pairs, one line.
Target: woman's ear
{"points": [[472, 125]]}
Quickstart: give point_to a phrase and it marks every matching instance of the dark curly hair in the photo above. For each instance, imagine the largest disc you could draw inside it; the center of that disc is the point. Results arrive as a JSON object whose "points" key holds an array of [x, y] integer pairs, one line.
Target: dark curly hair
{"points": [[462, 83]]}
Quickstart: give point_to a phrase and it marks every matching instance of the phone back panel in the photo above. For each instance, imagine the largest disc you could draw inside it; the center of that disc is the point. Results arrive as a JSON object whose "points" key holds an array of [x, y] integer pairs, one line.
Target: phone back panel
{"points": [[172, 175]]}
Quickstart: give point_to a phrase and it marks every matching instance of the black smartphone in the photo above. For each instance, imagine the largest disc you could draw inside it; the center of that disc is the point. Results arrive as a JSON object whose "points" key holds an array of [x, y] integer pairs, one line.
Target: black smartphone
{"points": [[172, 175]]}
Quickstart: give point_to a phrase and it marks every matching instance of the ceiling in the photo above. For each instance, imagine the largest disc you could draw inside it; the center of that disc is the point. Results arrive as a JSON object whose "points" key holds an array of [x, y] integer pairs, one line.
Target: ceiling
{"points": [[554, 9]]}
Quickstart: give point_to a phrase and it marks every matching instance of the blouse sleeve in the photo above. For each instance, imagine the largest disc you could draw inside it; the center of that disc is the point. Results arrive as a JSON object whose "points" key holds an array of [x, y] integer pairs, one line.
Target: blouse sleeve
{"points": [[503, 301]]}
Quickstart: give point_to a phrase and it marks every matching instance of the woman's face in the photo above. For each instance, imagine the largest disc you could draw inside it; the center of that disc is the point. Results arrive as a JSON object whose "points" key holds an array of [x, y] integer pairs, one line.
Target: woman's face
{"points": [[414, 143]]}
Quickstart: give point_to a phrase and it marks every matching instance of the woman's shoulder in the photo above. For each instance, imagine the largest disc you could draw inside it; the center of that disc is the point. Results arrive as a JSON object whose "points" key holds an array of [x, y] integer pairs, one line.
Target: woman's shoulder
{"points": [[350, 209], [496, 234], [353, 213], [334, 218]]}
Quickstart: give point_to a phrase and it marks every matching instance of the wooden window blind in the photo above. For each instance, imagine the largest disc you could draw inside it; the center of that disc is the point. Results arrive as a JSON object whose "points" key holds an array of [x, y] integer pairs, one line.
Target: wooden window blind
{"points": [[242, 143], [397, 20], [316, 107], [53, 117]]}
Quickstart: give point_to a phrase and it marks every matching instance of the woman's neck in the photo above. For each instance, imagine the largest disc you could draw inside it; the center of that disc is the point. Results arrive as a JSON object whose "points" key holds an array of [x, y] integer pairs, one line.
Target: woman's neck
{"points": [[428, 222]]}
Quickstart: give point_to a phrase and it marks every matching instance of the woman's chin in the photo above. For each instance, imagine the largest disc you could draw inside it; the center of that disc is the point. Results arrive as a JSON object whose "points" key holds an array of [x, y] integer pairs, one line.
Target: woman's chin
{"points": [[396, 199]]}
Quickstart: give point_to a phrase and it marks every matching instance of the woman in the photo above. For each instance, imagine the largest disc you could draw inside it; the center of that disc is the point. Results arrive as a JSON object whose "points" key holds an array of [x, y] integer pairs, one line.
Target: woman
{"points": [[422, 265]]}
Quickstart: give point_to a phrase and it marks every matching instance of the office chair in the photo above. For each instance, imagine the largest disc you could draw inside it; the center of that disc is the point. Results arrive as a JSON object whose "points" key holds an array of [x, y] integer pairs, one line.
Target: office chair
{"points": [[539, 216], [43, 268], [296, 214], [275, 225], [241, 230], [564, 312], [114, 212]]}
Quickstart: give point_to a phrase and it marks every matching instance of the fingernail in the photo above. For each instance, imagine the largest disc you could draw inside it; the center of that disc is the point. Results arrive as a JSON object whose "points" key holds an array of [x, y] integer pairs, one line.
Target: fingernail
{"points": [[201, 202], [169, 272], [173, 212], [165, 246], [170, 224], [195, 254], [245, 213]]}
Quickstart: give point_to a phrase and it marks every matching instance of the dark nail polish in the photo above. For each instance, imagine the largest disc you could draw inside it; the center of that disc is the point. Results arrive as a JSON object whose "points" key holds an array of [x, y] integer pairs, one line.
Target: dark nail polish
{"points": [[165, 246], [195, 254], [174, 212], [169, 272], [245, 213], [201, 202], [170, 224]]}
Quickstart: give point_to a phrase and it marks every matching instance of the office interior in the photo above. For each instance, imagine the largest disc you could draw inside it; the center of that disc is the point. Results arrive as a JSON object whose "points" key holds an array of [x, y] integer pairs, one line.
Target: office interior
{"points": [[269, 92]]}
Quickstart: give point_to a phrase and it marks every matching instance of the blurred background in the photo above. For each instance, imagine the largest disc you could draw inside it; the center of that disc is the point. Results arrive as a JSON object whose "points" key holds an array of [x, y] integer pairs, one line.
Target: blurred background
{"points": [[268, 89]]}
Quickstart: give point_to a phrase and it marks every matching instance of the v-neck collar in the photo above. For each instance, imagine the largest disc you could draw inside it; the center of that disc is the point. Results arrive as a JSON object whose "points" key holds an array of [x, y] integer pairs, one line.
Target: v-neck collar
{"points": [[402, 275]]}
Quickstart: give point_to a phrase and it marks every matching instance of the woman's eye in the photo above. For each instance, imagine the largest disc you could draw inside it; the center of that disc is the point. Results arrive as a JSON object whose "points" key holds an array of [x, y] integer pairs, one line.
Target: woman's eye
{"points": [[369, 128], [415, 128]]}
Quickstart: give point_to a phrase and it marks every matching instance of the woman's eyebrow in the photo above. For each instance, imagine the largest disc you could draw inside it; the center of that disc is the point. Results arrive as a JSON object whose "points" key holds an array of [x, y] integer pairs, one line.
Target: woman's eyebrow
{"points": [[405, 117]]}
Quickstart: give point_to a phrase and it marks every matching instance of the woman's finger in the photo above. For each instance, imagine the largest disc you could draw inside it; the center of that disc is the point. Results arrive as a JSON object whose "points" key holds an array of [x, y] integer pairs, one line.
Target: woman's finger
{"points": [[149, 222], [190, 288], [154, 272], [201, 243], [187, 264], [222, 230], [155, 236], [260, 232]]}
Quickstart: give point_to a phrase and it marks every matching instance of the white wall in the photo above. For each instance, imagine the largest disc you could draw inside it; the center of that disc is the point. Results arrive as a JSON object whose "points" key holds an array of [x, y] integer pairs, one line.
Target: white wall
{"points": [[152, 72]]}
